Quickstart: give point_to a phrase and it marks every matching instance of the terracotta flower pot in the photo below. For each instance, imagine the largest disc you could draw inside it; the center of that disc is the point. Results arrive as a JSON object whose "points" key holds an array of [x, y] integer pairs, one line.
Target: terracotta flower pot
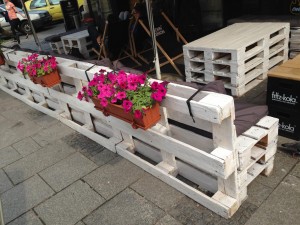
{"points": [[150, 117], [48, 80], [2, 61]]}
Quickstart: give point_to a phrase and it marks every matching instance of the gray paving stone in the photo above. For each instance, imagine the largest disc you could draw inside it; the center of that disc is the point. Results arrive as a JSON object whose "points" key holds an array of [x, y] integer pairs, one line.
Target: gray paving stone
{"points": [[126, 208], [40, 118], [5, 183], [103, 157], [80, 223], [8, 155], [14, 131], [28, 218], [2, 119], [67, 171], [296, 171], [83, 144], [38, 161], [113, 177], [26, 146], [282, 165], [70, 205], [168, 220], [192, 213], [23, 197], [282, 206], [157, 192], [52, 134], [258, 193]]}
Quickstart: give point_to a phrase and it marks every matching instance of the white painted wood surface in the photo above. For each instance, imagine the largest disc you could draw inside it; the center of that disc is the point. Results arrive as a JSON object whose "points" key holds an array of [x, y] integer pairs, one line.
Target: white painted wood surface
{"points": [[239, 55], [223, 165]]}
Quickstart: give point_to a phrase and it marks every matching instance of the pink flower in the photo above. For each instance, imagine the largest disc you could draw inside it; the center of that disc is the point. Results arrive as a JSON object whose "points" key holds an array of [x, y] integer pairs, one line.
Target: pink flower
{"points": [[114, 100], [80, 95], [132, 86], [138, 114], [127, 105], [92, 83], [121, 95], [157, 96], [112, 77], [154, 85], [107, 91], [162, 90], [90, 92], [142, 79], [104, 102]]}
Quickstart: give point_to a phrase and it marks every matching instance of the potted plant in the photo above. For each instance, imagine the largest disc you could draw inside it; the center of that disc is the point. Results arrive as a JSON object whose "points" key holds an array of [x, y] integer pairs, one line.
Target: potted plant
{"points": [[40, 70], [129, 97], [2, 60]]}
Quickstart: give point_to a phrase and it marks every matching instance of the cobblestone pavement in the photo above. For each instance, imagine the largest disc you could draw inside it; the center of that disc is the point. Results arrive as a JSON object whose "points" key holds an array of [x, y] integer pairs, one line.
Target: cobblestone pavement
{"points": [[50, 174]]}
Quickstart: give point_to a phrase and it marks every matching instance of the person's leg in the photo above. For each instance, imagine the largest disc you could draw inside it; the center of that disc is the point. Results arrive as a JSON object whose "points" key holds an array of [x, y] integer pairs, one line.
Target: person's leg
{"points": [[18, 27], [13, 25]]}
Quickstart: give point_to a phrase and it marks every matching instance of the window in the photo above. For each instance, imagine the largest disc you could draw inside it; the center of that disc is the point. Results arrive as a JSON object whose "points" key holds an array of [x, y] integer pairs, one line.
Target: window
{"points": [[54, 2], [38, 4]]}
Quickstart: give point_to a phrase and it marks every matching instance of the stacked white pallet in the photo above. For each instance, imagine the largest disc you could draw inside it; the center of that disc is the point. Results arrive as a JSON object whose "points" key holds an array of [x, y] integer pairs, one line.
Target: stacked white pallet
{"points": [[240, 55], [57, 47], [80, 40], [294, 42]]}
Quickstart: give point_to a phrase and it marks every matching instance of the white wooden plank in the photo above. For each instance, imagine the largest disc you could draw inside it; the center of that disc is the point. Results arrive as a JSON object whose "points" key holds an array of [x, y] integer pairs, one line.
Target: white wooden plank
{"points": [[198, 196], [196, 157]]}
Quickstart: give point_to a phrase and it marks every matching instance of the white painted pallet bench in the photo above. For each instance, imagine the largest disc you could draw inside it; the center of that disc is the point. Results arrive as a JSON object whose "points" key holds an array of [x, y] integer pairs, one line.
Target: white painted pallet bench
{"points": [[240, 55], [205, 152]]}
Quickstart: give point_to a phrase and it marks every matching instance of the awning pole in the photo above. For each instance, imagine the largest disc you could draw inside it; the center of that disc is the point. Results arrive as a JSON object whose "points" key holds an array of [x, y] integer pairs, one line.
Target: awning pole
{"points": [[36, 39], [152, 31]]}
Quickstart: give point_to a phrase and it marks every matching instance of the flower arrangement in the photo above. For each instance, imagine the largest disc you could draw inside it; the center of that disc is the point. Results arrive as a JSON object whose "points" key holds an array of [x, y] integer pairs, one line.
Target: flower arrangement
{"points": [[35, 67], [132, 91]]}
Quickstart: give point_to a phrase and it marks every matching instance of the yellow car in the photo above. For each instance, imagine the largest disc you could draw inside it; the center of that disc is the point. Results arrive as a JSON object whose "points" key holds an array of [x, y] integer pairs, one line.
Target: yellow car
{"points": [[52, 6]]}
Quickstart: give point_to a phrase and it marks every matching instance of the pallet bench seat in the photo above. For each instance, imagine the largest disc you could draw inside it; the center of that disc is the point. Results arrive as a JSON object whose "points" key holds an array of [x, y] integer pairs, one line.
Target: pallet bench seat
{"points": [[205, 149]]}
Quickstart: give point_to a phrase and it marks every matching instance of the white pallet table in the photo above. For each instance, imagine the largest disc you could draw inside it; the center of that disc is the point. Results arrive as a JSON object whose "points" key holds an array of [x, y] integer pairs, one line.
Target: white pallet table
{"points": [[237, 54], [237, 41], [80, 40]]}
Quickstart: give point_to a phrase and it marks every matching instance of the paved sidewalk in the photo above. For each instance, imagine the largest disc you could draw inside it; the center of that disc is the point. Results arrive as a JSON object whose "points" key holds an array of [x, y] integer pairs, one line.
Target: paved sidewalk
{"points": [[50, 174]]}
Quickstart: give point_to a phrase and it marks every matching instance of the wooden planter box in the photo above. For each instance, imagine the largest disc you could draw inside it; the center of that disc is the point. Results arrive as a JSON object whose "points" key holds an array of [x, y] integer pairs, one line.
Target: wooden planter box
{"points": [[150, 118], [48, 80]]}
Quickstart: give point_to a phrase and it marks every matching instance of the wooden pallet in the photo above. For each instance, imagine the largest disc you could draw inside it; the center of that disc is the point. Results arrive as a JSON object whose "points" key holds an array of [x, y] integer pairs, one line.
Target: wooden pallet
{"points": [[202, 151], [57, 47], [237, 54], [80, 40]]}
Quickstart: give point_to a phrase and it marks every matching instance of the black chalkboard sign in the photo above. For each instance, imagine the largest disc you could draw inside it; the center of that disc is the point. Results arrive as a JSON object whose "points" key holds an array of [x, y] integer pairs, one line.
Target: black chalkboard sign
{"points": [[69, 9], [295, 7]]}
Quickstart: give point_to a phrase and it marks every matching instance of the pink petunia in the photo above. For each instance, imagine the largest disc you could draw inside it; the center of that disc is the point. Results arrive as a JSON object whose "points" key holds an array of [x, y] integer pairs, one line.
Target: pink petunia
{"points": [[154, 85], [121, 95], [112, 77], [90, 92], [142, 79], [114, 100], [162, 90], [157, 96], [132, 86], [80, 95], [104, 102], [138, 114], [127, 105]]}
